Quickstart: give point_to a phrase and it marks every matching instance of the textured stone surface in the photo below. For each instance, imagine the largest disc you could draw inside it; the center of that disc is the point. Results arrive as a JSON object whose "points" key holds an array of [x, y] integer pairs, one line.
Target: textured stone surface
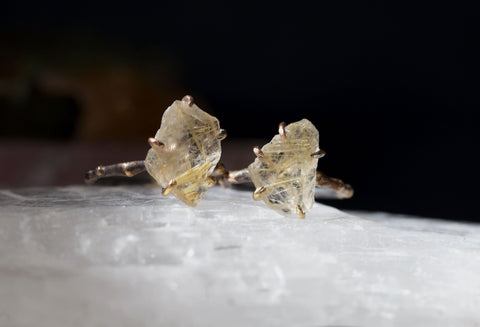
{"points": [[287, 171], [126, 256], [191, 151]]}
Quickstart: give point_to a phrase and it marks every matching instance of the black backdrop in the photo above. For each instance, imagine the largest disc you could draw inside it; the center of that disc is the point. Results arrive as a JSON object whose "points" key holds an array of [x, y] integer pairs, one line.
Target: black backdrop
{"points": [[384, 83]]}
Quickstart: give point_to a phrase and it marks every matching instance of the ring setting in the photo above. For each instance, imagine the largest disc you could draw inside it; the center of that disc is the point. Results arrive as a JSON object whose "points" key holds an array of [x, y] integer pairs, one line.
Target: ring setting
{"points": [[185, 153]]}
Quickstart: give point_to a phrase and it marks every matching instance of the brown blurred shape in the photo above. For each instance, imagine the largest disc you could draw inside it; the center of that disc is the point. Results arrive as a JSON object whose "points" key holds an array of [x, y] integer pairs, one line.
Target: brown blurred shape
{"points": [[121, 91]]}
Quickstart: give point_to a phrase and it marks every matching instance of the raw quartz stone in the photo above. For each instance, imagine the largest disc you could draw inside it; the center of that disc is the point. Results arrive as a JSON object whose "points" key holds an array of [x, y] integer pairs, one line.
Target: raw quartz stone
{"points": [[286, 170], [190, 153]]}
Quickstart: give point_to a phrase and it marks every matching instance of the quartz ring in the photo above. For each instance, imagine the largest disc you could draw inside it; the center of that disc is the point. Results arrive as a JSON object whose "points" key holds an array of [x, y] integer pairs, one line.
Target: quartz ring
{"points": [[285, 171], [185, 153], [183, 156]]}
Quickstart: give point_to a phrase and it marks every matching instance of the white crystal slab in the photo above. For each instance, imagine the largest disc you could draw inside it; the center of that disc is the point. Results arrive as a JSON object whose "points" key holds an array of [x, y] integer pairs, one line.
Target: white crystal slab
{"points": [[126, 256]]}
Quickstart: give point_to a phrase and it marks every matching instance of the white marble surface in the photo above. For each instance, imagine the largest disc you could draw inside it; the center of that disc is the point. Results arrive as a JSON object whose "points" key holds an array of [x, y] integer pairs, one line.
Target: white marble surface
{"points": [[126, 256]]}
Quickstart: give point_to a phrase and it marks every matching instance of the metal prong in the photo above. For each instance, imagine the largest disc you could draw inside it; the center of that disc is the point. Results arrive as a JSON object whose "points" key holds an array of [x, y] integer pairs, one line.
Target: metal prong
{"points": [[258, 192], [318, 154], [300, 212], [258, 152], [222, 134], [188, 99], [169, 188], [211, 181], [154, 143], [281, 130]]}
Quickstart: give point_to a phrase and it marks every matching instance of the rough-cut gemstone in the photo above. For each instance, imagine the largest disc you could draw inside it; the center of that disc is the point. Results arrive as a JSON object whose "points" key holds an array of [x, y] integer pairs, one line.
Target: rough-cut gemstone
{"points": [[190, 152], [287, 170]]}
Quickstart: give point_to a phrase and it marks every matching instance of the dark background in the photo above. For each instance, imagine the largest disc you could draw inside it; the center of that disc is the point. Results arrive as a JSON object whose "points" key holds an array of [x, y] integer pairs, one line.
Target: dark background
{"points": [[385, 84]]}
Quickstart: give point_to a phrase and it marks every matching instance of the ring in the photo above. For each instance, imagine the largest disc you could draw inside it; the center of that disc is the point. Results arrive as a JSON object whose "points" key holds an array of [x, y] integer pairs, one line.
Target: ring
{"points": [[185, 153], [285, 170]]}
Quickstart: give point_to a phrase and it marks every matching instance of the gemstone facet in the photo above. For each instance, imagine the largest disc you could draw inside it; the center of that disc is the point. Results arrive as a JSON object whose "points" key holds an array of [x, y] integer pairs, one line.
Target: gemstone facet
{"points": [[284, 170], [187, 152]]}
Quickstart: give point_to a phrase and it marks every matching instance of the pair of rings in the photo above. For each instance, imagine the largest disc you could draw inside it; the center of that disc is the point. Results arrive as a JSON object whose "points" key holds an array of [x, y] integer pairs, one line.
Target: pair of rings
{"points": [[185, 154]]}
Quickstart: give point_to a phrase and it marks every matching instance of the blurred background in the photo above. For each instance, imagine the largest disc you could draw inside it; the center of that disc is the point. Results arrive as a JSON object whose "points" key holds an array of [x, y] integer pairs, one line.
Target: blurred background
{"points": [[385, 84]]}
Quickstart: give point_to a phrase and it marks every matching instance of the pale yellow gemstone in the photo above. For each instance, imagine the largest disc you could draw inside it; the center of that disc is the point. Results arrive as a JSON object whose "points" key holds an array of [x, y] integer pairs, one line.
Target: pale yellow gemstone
{"points": [[190, 153], [287, 169]]}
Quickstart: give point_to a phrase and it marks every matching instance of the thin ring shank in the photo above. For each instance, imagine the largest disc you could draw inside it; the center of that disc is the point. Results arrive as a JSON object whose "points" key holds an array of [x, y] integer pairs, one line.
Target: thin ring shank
{"points": [[224, 177], [322, 181], [342, 190], [124, 169]]}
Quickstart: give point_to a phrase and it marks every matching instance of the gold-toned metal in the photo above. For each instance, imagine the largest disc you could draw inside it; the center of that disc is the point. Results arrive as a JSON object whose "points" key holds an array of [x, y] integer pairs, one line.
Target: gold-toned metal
{"points": [[169, 188], [342, 190], [300, 212], [219, 170], [225, 177], [242, 176], [154, 143], [281, 130], [258, 192], [188, 99], [220, 174], [211, 181], [258, 152], [127, 169], [239, 176], [222, 135], [127, 172], [318, 154], [100, 171]]}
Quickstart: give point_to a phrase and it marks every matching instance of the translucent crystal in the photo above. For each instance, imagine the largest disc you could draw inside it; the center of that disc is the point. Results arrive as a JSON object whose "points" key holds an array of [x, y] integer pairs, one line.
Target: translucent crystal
{"points": [[286, 170], [190, 153]]}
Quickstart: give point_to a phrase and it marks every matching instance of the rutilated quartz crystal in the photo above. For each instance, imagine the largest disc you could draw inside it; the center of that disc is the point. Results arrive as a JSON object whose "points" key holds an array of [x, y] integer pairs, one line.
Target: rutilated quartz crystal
{"points": [[284, 174], [188, 152]]}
